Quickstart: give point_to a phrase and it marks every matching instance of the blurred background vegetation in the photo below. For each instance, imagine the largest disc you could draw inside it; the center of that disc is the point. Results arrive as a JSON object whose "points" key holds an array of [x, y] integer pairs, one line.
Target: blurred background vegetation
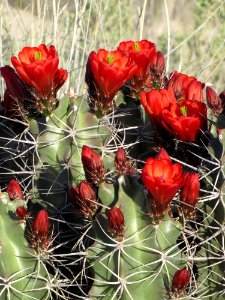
{"points": [[191, 33]]}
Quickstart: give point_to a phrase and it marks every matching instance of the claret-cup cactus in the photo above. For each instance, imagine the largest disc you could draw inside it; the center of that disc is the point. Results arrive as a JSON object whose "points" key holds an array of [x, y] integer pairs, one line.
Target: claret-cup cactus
{"points": [[114, 195]]}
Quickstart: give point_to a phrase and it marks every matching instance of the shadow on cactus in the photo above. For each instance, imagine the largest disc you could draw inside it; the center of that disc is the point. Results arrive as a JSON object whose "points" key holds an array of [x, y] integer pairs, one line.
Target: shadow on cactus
{"points": [[117, 195]]}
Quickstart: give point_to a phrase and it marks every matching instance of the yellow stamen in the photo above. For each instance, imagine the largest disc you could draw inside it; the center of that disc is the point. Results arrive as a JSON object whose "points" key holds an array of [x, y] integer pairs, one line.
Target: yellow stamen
{"points": [[110, 58], [183, 110], [136, 47], [37, 55]]}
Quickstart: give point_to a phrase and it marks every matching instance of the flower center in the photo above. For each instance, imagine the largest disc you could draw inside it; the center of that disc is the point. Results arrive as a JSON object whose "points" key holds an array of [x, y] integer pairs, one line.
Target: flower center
{"points": [[37, 55], [110, 59], [183, 111], [136, 47]]}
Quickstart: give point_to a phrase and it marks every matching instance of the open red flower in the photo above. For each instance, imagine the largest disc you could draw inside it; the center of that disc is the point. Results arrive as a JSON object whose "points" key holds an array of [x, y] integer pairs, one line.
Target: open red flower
{"points": [[163, 179], [155, 101], [186, 87], [83, 198], [93, 165], [38, 67], [106, 73], [185, 120], [189, 195], [141, 52]]}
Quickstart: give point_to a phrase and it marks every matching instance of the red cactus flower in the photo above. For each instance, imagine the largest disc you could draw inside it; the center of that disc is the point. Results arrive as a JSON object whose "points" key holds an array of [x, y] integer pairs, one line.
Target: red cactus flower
{"points": [[189, 194], [38, 67], [14, 190], [155, 101], [180, 281], [18, 97], [83, 198], [141, 52], [106, 73], [40, 230], [185, 120], [214, 101], [21, 212], [93, 165], [186, 87], [116, 221], [122, 163], [162, 179]]}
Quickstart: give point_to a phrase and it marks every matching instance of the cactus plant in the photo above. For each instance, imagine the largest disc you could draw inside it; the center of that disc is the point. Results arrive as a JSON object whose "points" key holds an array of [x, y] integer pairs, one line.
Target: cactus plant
{"points": [[122, 191]]}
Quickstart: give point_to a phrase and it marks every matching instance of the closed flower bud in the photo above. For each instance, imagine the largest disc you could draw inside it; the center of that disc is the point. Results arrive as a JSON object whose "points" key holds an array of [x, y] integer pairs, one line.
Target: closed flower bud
{"points": [[18, 97], [122, 163], [214, 101], [40, 230], [41, 223], [83, 198], [14, 190], [157, 69], [186, 87], [189, 194], [93, 165], [116, 221], [21, 212], [180, 281]]}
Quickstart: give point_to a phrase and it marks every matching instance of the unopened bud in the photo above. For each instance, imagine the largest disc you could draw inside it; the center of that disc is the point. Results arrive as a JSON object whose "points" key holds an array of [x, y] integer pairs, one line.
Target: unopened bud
{"points": [[116, 221], [83, 198], [14, 190], [180, 281], [189, 194], [21, 212], [93, 165], [214, 101]]}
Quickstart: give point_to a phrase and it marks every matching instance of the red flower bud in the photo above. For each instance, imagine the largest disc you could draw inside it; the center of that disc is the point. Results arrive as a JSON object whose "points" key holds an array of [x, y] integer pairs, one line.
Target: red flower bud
{"points": [[162, 179], [18, 97], [83, 198], [180, 281], [38, 67], [186, 87], [214, 101], [157, 69], [14, 190], [106, 73], [21, 212], [41, 223], [116, 221], [93, 165], [40, 230], [122, 163], [189, 194]]}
